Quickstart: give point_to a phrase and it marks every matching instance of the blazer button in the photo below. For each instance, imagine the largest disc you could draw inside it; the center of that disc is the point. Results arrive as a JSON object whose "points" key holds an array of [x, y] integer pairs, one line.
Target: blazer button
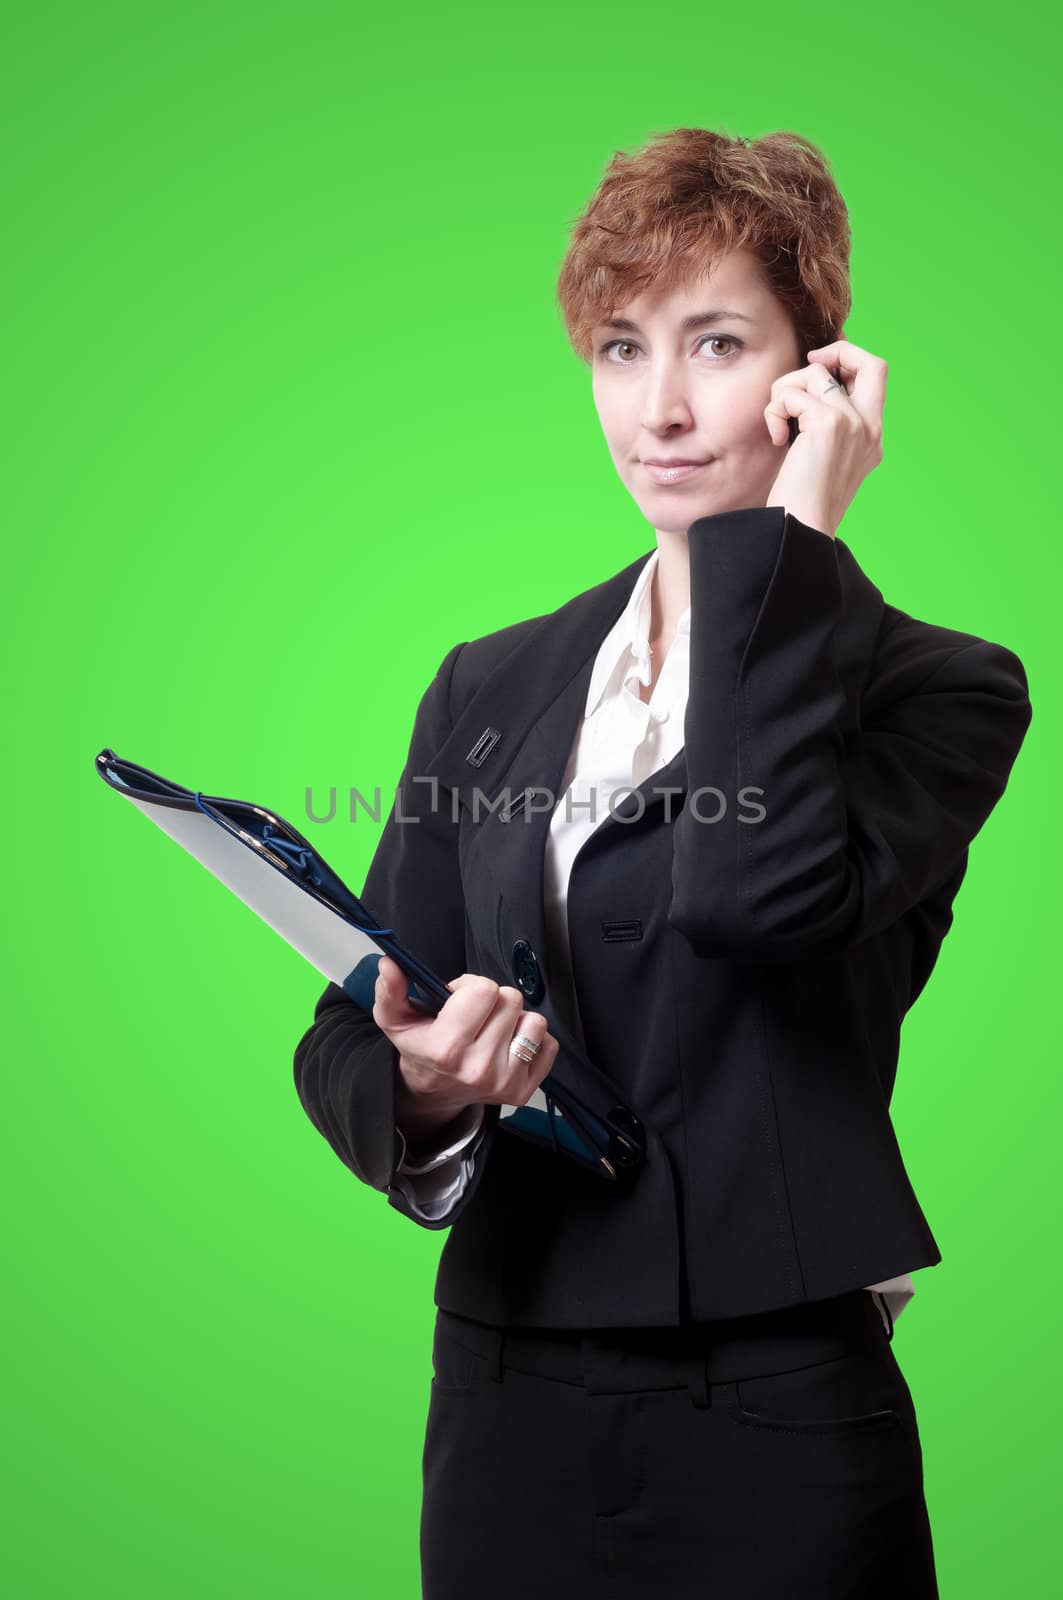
{"points": [[526, 974]]}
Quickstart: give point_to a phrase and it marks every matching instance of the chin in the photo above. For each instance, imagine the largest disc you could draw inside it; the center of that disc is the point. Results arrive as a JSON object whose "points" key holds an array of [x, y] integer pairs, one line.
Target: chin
{"points": [[675, 516]]}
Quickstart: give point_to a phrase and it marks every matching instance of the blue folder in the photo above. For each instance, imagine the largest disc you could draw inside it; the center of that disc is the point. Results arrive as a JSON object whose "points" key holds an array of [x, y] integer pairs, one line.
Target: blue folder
{"points": [[285, 880]]}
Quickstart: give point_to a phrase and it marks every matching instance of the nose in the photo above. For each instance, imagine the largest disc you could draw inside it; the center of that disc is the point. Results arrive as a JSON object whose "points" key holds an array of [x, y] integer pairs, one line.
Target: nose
{"points": [[665, 400]]}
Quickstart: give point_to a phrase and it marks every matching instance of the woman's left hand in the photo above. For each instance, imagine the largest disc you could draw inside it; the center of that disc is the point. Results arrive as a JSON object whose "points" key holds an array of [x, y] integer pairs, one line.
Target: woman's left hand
{"points": [[840, 438]]}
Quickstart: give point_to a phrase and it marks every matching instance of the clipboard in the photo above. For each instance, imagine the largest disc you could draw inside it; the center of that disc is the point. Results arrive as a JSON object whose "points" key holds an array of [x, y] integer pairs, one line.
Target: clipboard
{"points": [[269, 865]]}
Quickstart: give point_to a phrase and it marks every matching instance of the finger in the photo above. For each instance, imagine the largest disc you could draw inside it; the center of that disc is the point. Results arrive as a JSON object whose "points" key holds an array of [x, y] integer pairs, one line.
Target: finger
{"points": [[827, 386], [393, 1007], [545, 1057], [843, 352], [472, 1004], [508, 1019], [837, 369], [819, 381], [392, 994], [462, 1020], [531, 1025], [786, 380], [484, 1057], [802, 402], [864, 375], [463, 980], [528, 1024], [794, 400]]}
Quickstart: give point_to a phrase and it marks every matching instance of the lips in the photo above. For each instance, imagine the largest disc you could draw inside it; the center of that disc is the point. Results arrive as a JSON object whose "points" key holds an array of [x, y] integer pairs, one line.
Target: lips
{"points": [[673, 472]]}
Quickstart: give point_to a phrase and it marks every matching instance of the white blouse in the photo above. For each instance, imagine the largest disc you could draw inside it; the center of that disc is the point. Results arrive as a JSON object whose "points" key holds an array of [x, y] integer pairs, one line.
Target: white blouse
{"points": [[620, 742]]}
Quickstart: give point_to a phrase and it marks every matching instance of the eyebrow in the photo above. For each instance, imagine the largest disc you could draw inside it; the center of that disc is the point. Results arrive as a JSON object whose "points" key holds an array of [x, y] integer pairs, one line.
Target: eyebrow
{"points": [[698, 319]]}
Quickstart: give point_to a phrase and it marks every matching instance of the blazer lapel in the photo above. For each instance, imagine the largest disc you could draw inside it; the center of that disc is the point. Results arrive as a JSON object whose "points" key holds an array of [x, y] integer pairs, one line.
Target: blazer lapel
{"points": [[524, 716]]}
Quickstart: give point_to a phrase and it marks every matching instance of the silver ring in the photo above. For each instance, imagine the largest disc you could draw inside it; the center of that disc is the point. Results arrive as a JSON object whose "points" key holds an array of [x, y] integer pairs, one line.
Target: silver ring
{"points": [[520, 1045]]}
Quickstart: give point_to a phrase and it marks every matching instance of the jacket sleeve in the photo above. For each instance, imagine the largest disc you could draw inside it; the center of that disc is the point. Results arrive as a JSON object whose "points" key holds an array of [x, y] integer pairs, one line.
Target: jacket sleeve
{"points": [[823, 838], [346, 1068]]}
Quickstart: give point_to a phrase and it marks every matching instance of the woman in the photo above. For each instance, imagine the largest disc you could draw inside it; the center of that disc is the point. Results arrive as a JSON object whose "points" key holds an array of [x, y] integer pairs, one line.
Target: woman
{"points": [[683, 1384]]}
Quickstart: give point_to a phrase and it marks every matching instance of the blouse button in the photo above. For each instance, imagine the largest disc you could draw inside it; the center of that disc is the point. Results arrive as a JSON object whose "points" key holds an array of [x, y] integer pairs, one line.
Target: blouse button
{"points": [[659, 716]]}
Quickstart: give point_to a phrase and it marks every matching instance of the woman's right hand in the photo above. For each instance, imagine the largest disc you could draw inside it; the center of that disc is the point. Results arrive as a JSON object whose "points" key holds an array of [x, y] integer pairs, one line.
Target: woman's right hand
{"points": [[462, 1055]]}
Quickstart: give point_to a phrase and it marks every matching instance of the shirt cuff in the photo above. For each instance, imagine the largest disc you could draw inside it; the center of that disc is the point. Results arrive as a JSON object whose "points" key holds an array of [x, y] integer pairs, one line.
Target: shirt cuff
{"points": [[469, 1125], [433, 1192]]}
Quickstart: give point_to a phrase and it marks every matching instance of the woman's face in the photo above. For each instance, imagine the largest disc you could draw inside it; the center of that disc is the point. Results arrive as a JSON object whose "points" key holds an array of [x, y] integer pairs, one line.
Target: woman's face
{"points": [[699, 392]]}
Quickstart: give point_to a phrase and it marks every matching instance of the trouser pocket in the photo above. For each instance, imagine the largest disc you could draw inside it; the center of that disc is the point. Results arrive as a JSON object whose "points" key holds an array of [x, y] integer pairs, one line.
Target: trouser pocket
{"points": [[456, 1367], [854, 1394]]}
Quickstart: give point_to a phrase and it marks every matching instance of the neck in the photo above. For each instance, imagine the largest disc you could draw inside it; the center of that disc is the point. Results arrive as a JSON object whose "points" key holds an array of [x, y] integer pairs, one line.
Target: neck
{"points": [[670, 589]]}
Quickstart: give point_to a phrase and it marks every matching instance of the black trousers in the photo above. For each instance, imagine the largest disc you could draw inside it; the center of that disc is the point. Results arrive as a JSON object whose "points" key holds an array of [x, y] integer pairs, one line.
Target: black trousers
{"points": [[771, 1457]]}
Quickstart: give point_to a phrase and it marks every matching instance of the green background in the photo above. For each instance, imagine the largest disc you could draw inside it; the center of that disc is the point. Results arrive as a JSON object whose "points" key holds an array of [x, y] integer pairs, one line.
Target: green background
{"points": [[289, 412]]}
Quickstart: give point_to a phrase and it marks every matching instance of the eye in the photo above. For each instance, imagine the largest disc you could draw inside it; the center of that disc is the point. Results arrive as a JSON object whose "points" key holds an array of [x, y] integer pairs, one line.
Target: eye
{"points": [[709, 338], [616, 344], [724, 338]]}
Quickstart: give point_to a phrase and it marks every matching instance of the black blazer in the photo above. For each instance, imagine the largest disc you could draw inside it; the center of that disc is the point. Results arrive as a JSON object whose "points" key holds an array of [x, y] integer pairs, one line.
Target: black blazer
{"points": [[752, 1015]]}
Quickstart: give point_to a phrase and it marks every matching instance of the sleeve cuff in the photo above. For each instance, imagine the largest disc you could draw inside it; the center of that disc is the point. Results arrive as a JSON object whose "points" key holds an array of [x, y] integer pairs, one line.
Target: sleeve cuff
{"points": [[438, 1185], [468, 1126]]}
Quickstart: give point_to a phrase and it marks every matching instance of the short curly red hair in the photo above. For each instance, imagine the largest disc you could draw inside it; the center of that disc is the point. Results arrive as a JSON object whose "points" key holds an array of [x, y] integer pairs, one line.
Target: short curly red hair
{"points": [[663, 214]]}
